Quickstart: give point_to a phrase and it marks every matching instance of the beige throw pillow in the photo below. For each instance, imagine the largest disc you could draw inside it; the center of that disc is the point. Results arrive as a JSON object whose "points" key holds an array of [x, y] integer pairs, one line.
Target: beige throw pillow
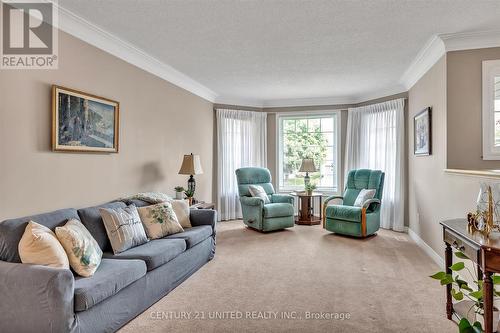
{"points": [[181, 210], [82, 249], [159, 220], [124, 228], [39, 245], [258, 191], [363, 196]]}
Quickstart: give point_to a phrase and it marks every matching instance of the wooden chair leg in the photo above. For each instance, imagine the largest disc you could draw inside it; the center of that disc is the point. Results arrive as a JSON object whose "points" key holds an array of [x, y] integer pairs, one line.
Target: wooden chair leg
{"points": [[363, 222], [324, 216]]}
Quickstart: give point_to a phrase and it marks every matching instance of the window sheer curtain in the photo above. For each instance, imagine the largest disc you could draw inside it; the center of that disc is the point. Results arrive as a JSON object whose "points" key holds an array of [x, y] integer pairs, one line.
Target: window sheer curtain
{"points": [[241, 142], [375, 140]]}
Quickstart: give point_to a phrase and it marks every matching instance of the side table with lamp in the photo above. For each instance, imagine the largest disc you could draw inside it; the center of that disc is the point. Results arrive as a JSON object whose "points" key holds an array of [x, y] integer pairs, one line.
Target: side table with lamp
{"points": [[191, 165], [309, 201]]}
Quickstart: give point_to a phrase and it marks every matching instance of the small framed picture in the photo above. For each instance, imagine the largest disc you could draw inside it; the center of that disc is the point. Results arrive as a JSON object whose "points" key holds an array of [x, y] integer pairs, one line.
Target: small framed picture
{"points": [[422, 133], [83, 122]]}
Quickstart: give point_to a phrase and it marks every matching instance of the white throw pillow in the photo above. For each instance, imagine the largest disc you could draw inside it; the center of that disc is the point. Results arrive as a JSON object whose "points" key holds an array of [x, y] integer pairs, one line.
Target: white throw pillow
{"points": [[39, 245], [124, 228], [82, 249], [181, 210], [159, 220], [258, 191], [363, 196]]}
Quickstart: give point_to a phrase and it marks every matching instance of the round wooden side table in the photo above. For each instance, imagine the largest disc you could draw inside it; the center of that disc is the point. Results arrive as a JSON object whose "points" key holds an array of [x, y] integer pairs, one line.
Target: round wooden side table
{"points": [[308, 204]]}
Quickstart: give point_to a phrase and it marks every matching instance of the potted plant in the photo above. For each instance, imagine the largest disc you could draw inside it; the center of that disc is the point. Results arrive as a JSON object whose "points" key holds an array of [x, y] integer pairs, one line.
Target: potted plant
{"points": [[178, 192], [189, 194], [310, 188], [472, 297]]}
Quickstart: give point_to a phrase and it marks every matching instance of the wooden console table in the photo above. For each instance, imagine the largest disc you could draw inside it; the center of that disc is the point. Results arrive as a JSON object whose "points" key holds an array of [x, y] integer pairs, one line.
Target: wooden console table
{"points": [[483, 251], [307, 204]]}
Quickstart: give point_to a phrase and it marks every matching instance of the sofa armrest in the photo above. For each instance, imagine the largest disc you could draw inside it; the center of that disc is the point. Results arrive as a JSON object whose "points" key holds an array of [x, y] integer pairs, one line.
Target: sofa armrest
{"points": [[36, 298], [282, 198], [203, 217], [251, 201]]}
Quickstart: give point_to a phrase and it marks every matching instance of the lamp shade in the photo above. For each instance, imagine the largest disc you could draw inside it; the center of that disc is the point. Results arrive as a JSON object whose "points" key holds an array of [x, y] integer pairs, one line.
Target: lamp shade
{"points": [[307, 165], [191, 165]]}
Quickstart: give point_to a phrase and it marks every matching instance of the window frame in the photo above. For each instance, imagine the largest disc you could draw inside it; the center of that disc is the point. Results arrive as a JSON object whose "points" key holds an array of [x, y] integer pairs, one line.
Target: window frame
{"points": [[491, 69], [338, 143]]}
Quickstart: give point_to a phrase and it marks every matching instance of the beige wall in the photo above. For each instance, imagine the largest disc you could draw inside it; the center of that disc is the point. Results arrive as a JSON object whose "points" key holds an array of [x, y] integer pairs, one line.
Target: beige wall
{"points": [[464, 77], [433, 194], [159, 123]]}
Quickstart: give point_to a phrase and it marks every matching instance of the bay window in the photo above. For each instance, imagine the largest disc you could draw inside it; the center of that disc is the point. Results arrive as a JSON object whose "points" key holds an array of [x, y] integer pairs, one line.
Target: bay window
{"points": [[312, 135]]}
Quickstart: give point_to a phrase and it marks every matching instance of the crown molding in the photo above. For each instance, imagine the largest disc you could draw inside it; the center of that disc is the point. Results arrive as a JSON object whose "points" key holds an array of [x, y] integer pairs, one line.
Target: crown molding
{"points": [[471, 40], [94, 35], [432, 51], [394, 90], [439, 44], [318, 101], [235, 101]]}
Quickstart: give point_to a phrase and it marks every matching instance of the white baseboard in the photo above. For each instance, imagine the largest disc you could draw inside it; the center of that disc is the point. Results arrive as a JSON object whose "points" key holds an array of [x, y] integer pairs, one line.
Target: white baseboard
{"points": [[427, 249]]}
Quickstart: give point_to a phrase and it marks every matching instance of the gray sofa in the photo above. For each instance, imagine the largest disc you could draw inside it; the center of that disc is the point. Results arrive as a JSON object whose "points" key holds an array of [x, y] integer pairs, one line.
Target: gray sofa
{"points": [[36, 298]]}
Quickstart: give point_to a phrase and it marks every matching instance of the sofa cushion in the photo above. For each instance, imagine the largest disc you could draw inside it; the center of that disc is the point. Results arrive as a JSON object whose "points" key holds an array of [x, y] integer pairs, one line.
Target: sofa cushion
{"points": [[124, 228], [193, 235], [40, 246], [155, 253], [92, 220], [12, 230], [111, 277], [346, 213], [159, 220], [278, 210]]}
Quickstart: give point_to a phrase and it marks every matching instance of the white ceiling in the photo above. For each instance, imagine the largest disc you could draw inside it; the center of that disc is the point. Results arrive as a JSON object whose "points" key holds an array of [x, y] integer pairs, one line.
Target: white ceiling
{"points": [[260, 52]]}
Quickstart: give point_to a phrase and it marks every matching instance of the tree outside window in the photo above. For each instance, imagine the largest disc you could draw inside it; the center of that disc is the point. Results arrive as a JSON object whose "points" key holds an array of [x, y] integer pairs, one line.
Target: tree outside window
{"points": [[308, 137]]}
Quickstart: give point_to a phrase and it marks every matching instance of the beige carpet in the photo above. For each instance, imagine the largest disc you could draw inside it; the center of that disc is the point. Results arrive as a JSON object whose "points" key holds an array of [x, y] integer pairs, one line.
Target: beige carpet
{"points": [[269, 283]]}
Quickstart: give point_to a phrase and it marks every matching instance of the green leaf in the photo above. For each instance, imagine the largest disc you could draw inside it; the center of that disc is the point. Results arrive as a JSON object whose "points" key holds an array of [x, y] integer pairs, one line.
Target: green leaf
{"points": [[461, 283], [457, 266], [477, 327], [457, 295], [496, 279], [465, 327], [448, 279], [476, 294], [461, 255], [438, 275]]}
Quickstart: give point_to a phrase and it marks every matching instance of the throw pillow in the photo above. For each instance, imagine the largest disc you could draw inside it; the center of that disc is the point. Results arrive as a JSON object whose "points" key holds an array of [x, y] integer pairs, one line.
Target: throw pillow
{"points": [[363, 196], [39, 245], [181, 210], [258, 191], [124, 228], [82, 249], [159, 220]]}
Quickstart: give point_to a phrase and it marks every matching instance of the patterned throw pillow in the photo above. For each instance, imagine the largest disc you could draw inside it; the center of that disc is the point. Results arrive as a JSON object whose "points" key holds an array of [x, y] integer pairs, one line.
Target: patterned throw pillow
{"points": [[82, 249], [258, 191], [159, 220], [39, 245], [181, 210], [363, 196], [124, 228]]}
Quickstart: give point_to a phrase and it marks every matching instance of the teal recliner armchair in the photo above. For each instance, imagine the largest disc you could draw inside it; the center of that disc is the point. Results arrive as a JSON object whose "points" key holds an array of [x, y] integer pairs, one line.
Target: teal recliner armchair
{"points": [[276, 215], [347, 219]]}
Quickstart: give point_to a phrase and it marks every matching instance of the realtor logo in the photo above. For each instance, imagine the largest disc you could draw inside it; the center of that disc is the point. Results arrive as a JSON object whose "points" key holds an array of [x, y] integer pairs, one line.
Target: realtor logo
{"points": [[29, 34]]}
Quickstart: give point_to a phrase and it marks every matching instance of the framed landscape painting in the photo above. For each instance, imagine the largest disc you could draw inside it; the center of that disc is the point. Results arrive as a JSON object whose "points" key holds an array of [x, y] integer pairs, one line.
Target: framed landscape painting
{"points": [[84, 123], [422, 133]]}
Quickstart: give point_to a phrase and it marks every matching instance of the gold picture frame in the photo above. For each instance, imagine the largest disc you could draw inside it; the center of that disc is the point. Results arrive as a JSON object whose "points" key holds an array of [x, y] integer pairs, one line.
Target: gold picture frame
{"points": [[83, 122]]}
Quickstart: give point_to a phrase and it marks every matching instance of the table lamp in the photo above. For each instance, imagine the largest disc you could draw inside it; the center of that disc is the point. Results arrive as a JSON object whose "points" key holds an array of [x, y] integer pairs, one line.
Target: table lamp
{"points": [[307, 166], [191, 165]]}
